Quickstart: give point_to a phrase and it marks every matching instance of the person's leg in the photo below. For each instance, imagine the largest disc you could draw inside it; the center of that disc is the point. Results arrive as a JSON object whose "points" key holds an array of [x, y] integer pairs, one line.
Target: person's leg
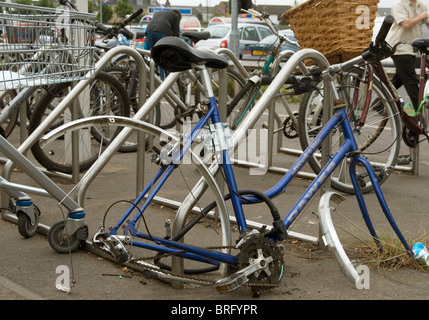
{"points": [[406, 72], [152, 38], [396, 81]]}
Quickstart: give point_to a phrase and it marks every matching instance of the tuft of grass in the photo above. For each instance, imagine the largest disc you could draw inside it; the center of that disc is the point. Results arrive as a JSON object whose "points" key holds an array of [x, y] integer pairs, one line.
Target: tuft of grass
{"points": [[390, 254]]}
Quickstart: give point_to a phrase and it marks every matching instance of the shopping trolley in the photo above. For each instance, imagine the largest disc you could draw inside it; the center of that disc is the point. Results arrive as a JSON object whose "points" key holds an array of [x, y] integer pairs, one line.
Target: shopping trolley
{"points": [[44, 45]]}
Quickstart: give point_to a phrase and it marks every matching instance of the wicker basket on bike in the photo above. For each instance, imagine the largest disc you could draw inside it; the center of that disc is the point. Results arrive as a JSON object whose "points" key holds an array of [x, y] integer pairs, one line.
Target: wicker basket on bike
{"points": [[338, 29]]}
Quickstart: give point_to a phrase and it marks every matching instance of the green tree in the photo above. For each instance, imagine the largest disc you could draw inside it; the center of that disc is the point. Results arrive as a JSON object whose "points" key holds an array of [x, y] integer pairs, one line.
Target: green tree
{"points": [[106, 12], [45, 3], [27, 2], [123, 8]]}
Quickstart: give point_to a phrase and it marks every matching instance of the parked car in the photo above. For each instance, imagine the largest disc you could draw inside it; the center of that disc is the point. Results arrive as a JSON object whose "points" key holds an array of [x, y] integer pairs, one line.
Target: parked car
{"points": [[260, 50], [190, 23], [145, 21], [247, 34]]}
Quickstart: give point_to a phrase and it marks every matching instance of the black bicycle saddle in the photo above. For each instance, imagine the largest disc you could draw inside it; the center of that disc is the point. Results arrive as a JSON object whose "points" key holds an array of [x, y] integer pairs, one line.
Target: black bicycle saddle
{"points": [[197, 35], [420, 43], [174, 54]]}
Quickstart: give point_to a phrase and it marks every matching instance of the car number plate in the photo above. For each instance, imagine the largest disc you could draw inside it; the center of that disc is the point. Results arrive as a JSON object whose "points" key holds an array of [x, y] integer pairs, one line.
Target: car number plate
{"points": [[259, 53]]}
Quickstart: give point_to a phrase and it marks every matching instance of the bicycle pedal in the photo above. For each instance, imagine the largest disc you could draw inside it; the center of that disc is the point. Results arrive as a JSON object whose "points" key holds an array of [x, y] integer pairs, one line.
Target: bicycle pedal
{"points": [[404, 159], [231, 282]]}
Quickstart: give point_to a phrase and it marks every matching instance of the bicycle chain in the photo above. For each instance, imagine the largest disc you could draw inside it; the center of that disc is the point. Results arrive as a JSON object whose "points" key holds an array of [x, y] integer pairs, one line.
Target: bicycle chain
{"points": [[260, 285], [166, 272]]}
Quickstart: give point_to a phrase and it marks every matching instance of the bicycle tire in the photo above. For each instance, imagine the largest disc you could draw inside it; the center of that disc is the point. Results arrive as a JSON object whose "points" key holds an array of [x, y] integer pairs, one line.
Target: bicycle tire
{"points": [[130, 82], [7, 128], [235, 85], [378, 139], [165, 111], [105, 90], [129, 78]]}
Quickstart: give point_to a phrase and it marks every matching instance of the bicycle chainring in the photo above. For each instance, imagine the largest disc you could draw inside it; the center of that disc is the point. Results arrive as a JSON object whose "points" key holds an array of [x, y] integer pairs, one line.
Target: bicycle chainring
{"points": [[269, 276], [410, 138], [290, 131]]}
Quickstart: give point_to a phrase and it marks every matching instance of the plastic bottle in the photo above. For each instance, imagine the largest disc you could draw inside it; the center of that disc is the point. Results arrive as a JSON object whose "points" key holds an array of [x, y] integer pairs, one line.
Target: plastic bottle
{"points": [[421, 253]]}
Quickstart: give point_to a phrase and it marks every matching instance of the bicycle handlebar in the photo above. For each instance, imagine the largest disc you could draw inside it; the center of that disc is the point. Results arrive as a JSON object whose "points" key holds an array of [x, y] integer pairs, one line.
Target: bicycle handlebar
{"points": [[101, 27], [130, 18], [380, 49], [68, 3], [384, 30], [119, 28], [264, 16]]}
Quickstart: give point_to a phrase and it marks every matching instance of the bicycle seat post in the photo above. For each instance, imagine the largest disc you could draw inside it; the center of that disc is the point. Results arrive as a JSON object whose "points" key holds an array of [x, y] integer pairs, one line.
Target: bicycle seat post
{"points": [[205, 79]]}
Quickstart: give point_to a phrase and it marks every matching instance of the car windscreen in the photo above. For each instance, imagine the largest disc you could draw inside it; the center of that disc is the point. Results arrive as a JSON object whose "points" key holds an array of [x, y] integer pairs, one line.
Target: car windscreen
{"points": [[270, 40], [218, 31]]}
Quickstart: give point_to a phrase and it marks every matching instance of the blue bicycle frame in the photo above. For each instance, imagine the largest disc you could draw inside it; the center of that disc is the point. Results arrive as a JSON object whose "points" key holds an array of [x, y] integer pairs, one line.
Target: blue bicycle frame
{"points": [[348, 149]]}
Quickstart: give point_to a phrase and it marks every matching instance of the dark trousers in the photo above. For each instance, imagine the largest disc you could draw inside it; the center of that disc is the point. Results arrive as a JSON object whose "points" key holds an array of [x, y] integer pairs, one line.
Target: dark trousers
{"points": [[406, 76], [152, 38]]}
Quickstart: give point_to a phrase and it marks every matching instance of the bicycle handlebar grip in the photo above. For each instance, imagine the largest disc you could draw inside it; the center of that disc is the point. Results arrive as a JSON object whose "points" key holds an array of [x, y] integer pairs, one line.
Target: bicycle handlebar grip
{"points": [[101, 27], [132, 16], [254, 12], [384, 30], [128, 33]]}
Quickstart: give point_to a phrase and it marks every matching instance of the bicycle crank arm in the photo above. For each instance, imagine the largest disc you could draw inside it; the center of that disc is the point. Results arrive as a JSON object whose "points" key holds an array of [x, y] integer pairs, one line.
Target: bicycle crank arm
{"points": [[265, 126], [240, 278]]}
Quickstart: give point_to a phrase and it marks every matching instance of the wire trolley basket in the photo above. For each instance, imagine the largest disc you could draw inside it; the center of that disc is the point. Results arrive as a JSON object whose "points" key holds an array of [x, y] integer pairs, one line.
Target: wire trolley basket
{"points": [[42, 46], [338, 29]]}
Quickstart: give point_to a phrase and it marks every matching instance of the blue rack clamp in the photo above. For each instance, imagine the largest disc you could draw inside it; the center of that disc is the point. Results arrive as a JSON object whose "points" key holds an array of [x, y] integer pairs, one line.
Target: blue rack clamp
{"points": [[26, 206]]}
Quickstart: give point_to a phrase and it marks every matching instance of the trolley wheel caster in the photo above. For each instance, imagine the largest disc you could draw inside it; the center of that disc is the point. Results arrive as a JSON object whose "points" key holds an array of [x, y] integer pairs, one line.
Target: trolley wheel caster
{"points": [[60, 241], [25, 227]]}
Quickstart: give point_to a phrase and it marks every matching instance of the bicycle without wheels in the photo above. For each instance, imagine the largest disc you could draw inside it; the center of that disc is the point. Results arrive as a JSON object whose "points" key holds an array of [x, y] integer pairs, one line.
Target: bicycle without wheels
{"points": [[256, 258]]}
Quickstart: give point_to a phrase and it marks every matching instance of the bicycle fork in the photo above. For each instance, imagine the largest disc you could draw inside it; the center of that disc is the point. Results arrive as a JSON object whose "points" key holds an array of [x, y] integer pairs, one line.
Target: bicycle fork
{"points": [[357, 158]]}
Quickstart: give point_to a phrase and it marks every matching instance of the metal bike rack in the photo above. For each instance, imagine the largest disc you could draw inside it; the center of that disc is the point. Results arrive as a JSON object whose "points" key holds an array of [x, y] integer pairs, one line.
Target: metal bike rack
{"points": [[63, 105], [272, 117]]}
